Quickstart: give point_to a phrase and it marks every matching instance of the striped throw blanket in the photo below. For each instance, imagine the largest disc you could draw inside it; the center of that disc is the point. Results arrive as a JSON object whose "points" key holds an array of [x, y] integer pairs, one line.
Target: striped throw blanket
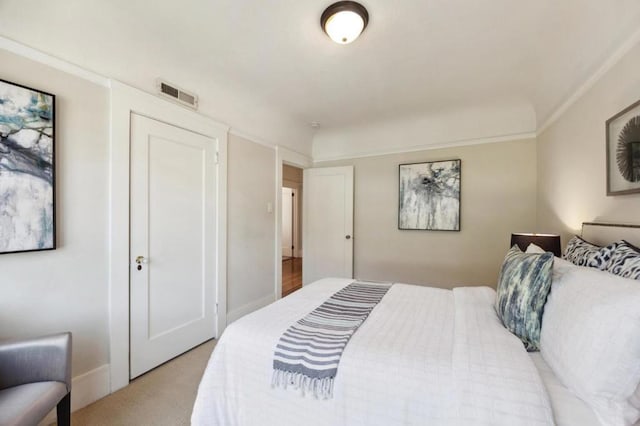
{"points": [[308, 353]]}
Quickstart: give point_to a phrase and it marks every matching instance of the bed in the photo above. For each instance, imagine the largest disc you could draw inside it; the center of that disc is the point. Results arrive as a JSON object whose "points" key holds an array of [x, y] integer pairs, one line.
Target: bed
{"points": [[423, 356]]}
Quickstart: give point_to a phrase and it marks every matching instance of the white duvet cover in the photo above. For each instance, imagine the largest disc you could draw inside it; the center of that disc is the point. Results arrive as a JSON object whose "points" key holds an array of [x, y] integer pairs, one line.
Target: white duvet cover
{"points": [[424, 356]]}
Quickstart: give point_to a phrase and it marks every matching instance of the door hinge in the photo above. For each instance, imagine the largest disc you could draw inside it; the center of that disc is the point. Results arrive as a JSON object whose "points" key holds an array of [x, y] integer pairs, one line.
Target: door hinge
{"points": [[217, 157], [216, 308]]}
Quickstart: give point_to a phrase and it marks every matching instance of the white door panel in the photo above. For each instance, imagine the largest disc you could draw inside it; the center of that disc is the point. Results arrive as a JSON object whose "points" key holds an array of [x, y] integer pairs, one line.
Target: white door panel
{"points": [[173, 214], [287, 221], [328, 223]]}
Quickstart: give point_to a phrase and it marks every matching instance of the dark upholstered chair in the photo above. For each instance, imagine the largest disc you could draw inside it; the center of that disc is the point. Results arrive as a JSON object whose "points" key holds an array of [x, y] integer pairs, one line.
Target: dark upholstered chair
{"points": [[35, 377]]}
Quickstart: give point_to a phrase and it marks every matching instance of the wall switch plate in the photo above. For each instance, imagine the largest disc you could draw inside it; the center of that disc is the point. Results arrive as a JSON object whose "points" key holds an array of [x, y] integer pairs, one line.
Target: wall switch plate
{"points": [[269, 207]]}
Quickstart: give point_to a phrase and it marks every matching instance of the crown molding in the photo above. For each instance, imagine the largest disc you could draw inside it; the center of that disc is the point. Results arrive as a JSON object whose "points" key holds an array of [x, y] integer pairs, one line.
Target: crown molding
{"points": [[57, 63], [428, 147], [267, 144], [608, 64], [93, 77], [239, 133], [96, 78]]}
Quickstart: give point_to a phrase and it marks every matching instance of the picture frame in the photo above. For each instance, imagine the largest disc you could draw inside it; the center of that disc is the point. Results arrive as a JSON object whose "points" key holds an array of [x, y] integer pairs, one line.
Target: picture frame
{"points": [[623, 151], [27, 169], [429, 195]]}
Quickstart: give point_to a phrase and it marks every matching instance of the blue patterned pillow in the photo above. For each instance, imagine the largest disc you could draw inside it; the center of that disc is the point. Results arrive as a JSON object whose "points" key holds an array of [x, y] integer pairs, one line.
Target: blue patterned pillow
{"points": [[603, 257], [582, 253], [623, 260], [523, 286]]}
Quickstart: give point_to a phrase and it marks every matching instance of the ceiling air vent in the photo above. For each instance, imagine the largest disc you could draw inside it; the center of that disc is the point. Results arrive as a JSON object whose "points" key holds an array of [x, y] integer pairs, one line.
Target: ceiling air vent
{"points": [[171, 91]]}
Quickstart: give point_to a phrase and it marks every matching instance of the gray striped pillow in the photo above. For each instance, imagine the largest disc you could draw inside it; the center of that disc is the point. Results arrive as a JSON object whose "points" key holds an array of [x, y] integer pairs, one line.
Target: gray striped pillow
{"points": [[523, 286]]}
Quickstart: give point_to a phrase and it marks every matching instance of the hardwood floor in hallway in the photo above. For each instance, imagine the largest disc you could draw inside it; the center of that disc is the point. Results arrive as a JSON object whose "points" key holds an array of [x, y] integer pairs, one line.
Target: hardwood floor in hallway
{"points": [[291, 275]]}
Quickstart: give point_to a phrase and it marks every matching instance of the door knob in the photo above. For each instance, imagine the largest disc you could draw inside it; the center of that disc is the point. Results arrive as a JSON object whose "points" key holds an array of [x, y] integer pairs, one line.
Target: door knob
{"points": [[348, 237], [141, 259]]}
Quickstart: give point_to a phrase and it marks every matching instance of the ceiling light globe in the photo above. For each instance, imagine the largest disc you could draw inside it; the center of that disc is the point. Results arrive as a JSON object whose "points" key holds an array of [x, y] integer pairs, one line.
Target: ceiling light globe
{"points": [[344, 27], [344, 21]]}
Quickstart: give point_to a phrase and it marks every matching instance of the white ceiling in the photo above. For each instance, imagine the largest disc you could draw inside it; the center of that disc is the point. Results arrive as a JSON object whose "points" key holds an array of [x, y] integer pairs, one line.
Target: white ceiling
{"points": [[268, 62]]}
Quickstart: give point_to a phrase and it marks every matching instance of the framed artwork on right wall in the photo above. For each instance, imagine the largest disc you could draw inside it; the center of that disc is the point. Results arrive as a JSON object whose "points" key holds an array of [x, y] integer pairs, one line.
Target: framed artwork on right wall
{"points": [[623, 151]]}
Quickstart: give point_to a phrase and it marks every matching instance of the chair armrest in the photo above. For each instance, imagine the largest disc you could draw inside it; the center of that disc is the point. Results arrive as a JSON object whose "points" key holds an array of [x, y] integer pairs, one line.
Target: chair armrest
{"points": [[41, 359]]}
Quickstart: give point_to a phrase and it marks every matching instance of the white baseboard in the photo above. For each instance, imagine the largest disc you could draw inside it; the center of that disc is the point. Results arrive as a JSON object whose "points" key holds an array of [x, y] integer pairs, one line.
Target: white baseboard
{"points": [[243, 310], [86, 389]]}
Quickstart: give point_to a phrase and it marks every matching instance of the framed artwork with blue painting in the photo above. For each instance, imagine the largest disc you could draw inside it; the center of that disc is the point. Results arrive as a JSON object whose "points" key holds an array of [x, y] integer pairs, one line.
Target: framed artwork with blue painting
{"points": [[429, 196], [27, 169]]}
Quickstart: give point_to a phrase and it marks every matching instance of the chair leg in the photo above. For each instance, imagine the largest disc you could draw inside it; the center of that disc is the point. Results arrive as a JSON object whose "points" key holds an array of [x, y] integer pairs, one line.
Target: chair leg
{"points": [[64, 411]]}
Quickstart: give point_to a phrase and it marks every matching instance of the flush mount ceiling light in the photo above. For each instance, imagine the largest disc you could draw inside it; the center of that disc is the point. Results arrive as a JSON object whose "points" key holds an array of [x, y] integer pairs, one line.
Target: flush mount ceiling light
{"points": [[344, 21]]}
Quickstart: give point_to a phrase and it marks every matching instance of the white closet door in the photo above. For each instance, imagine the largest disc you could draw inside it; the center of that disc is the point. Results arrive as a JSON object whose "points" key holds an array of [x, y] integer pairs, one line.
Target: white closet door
{"points": [[172, 242], [327, 223]]}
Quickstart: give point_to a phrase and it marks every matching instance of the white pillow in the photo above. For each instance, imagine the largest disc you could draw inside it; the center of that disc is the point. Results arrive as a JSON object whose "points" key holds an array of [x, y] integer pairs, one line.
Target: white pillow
{"points": [[534, 249], [591, 339]]}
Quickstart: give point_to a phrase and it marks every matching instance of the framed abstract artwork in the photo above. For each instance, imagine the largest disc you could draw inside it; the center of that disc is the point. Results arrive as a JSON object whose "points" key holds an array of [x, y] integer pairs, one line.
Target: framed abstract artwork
{"points": [[623, 151], [27, 169], [429, 196]]}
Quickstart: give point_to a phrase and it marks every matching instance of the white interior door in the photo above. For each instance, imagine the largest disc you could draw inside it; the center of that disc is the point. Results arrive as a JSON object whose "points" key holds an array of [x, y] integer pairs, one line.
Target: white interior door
{"points": [[327, 223], [287, 222], [173, 234]]}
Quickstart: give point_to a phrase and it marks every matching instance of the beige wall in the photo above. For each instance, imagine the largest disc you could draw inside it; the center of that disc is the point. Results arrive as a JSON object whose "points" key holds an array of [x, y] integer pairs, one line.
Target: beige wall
{"points": [[498, 197], [251, 229], [66, 289], [571, 157]]}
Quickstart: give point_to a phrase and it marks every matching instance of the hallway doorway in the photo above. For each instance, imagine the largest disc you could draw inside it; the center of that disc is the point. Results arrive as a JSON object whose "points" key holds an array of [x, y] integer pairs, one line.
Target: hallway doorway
{"points": [[291, 238], [291, 275]]}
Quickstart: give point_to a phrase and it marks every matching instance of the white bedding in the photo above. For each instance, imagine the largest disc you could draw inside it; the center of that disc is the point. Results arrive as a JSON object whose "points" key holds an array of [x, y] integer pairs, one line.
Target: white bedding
{"points": [[568, 409], [424, 356]]}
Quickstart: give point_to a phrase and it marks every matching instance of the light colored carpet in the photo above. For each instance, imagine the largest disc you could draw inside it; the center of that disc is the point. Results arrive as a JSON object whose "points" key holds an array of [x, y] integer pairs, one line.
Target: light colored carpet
{"points": [[163, 396]]}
